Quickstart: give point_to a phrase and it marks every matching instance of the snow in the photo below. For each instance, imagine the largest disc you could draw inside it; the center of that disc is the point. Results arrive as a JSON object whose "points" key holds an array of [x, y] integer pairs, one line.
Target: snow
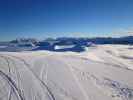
{"points": [[63, 46], [3, 47], [103, 72]]}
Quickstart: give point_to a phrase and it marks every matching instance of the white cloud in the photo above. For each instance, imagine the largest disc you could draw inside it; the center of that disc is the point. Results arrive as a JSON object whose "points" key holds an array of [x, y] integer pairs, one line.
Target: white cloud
{"points": [[123, 32]]}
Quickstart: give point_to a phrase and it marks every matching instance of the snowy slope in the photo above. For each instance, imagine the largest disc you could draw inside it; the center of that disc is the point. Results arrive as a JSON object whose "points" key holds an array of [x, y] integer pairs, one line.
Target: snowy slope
{"points": [[101, 73]]}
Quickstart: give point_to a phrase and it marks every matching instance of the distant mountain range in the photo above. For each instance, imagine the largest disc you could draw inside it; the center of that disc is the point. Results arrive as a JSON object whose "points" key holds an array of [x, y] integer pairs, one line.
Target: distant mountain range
{"points": [[61, 44]]}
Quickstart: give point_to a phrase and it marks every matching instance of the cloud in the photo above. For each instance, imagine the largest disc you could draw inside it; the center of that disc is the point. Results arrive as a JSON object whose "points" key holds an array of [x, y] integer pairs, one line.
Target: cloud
{"points": [[130, 32], [123, 32]]}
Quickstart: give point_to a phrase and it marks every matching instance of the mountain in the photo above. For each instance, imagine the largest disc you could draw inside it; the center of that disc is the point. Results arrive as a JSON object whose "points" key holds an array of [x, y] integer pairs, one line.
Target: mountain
{"points": [[63, 44]]}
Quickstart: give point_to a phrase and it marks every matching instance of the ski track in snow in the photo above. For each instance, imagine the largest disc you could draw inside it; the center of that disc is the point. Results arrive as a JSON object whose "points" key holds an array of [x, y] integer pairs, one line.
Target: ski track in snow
{"points": [[115, 88], [56, 76], [51, 96]]}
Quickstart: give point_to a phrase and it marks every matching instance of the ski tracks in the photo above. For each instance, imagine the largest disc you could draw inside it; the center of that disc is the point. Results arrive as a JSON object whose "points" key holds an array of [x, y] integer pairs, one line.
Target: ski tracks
{"points": [[28, 67]]}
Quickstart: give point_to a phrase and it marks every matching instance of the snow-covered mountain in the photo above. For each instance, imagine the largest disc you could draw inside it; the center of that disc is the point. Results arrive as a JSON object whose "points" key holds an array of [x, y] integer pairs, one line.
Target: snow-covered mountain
{"points": [[61, 44], [102, 72]]}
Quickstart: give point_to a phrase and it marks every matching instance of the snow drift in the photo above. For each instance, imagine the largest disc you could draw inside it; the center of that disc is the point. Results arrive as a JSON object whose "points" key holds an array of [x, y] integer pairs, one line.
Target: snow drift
{"points": [[101, 73]]}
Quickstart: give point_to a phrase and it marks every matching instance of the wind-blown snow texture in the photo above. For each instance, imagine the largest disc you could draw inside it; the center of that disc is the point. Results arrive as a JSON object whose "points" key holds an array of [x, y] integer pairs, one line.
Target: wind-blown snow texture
{"points": [[101, 73]]}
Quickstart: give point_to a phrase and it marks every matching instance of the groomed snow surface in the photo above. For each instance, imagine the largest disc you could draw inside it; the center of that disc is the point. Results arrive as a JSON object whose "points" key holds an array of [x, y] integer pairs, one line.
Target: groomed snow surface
{"points": [[103, 72]]}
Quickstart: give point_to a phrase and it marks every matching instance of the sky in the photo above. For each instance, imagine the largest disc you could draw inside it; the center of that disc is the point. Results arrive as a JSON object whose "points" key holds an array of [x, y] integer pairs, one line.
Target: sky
{"points": [[65, 18]]}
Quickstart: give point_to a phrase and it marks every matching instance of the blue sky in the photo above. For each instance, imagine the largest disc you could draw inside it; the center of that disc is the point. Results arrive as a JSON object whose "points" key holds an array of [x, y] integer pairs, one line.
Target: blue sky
{"points": [[59, 18]]}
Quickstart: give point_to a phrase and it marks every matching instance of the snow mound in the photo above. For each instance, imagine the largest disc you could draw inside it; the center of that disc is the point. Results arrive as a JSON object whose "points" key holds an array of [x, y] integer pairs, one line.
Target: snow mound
{"points": [[103, 72]]}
